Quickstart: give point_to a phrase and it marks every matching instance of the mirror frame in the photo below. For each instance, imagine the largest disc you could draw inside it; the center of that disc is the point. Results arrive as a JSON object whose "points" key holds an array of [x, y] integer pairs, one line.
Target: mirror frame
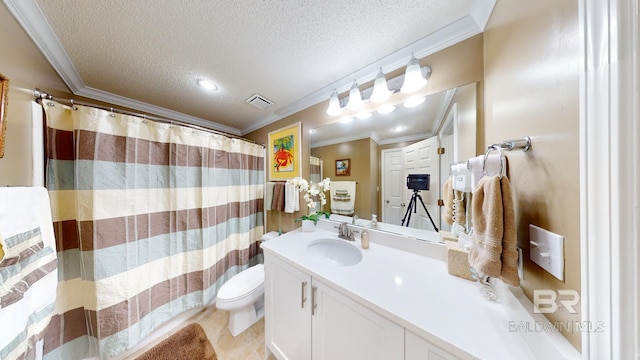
{"points": [[4, 104]]}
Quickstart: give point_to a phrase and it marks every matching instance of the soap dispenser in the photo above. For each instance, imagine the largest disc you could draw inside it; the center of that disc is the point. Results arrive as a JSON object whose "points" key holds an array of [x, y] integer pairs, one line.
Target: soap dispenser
{"points": [[364, 239]]}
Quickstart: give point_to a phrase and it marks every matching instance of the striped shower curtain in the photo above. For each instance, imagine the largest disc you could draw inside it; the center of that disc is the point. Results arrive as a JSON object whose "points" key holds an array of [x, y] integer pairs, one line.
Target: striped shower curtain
{"points": [[150, 220]]}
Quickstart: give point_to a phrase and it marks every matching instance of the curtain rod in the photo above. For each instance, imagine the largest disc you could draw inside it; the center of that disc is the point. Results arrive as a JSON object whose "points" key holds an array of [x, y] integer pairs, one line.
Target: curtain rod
{"points": [[41, 95]]}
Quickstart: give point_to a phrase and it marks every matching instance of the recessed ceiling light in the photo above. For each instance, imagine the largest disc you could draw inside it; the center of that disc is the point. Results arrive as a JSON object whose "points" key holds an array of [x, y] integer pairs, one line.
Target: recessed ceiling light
{"points": [[346, 120], [414, 101], [363, 115], [398, 128], [387, 109], [207, 85]]}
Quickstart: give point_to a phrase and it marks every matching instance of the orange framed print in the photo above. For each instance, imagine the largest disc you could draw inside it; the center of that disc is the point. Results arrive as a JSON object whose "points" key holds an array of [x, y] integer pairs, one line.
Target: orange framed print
{"points": [[284, 153], [343, 167], [4, 102]]}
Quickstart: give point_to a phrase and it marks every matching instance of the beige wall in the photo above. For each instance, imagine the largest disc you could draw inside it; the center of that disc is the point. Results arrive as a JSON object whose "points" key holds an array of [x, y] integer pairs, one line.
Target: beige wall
{"points": [[26, 68], [457, 65], [532, 67]]}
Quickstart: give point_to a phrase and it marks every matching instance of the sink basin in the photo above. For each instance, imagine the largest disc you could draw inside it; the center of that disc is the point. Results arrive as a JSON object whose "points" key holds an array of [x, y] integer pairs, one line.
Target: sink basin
{"points": [[335, 252]]}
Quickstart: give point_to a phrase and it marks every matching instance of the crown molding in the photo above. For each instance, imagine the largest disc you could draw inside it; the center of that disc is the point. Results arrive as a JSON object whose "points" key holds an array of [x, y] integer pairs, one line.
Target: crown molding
{"points": [[451, 34], [28, 14]]}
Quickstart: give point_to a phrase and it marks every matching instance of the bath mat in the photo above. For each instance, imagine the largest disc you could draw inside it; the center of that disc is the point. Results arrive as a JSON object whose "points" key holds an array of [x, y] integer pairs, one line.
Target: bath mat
{"points": [[189, 343]]}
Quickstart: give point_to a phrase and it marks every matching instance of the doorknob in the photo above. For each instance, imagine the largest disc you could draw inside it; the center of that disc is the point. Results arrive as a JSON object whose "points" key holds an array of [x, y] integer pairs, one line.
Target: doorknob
{"points": [[388, 201], [402, 205]]}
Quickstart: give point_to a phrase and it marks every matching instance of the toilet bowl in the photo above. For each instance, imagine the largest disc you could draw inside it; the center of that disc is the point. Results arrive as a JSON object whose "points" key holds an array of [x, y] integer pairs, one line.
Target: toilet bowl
{"points": [[243, 296]]}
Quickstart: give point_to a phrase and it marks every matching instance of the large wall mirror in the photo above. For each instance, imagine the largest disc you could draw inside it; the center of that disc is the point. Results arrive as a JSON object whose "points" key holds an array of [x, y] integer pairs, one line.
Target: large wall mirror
{"points": [[384, 149]]}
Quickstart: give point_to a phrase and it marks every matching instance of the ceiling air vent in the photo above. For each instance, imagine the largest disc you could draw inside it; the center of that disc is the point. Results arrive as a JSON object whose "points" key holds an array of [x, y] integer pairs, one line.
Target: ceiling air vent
{"points": [[259, 101]]}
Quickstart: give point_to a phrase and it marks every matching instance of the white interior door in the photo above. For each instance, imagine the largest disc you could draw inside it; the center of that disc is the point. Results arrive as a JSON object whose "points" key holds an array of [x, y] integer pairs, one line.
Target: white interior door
{"points": [[393, 186], [422, 158]]}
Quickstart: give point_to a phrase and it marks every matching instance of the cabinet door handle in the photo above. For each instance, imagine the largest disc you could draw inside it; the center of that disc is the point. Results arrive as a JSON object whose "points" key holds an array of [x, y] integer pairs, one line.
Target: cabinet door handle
{"points": [[303, 297], [313, 300]]}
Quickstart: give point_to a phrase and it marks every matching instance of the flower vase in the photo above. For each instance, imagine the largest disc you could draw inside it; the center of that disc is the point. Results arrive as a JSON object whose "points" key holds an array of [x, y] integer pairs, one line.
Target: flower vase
{"points": [[308, 226]]}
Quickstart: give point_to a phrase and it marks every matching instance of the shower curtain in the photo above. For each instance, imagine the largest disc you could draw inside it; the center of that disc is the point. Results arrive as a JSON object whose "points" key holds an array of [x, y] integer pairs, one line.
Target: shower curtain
{"points": [[150, 220]]}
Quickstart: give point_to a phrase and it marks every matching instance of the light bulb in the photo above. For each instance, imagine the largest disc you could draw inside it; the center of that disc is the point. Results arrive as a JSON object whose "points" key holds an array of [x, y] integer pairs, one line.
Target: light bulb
{"points": [[413, 102], [413, 79], [334, 108], [387, 109], [355, 99], [380, 90]]}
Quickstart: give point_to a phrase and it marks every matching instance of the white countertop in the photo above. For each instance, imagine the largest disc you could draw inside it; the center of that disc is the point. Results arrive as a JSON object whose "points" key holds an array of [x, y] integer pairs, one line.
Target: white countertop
{"points": [[414, 291]]}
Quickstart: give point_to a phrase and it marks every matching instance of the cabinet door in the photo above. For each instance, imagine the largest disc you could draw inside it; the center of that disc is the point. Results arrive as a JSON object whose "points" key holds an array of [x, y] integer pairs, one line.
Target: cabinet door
{"points": [[344, 329], [417, 348], [287, 311]]}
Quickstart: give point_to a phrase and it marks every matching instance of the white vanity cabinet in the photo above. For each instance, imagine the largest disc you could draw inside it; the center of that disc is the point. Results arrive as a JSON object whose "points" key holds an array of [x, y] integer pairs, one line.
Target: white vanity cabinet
{"points": [[306, 319], [417, 348]]}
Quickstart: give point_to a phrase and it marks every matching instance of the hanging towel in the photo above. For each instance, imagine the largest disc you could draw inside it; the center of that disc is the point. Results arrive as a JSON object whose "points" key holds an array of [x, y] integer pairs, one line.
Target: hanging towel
{"points": [[494, 250], [492, 168], [278, 197], [268, 195], [28, 270], [291, 198], [447, 197], [343, 197]]}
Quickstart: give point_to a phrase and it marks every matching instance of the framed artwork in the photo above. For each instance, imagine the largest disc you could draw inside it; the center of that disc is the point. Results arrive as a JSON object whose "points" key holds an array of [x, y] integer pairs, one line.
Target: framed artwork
{"points": [[4, 102], [284, 152], [343, 167]]}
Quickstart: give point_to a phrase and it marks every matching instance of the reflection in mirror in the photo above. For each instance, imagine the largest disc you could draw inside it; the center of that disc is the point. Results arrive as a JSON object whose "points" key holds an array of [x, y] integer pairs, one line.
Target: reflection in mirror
{"points": [[385, 148]]}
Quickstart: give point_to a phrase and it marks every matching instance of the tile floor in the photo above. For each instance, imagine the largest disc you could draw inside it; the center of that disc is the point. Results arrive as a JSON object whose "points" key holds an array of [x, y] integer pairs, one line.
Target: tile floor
{"points": [[249, 345]]}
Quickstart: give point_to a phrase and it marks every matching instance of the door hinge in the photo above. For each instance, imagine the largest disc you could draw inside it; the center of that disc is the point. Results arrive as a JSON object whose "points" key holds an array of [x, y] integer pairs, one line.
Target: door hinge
{"points": [[440, 202], [440, 150]]}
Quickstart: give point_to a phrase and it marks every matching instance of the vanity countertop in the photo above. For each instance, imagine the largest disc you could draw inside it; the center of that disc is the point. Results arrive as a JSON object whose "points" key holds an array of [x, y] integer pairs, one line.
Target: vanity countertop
{"points": [[416, 292]]}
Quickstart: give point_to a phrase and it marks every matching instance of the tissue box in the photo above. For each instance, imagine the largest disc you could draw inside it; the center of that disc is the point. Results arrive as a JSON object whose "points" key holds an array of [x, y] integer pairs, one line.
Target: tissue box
{"points": [[458, 261]]}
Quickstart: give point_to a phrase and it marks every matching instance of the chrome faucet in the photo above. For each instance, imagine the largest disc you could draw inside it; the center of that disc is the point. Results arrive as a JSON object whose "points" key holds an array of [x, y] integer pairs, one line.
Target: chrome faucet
{"points": [[345, 233]]}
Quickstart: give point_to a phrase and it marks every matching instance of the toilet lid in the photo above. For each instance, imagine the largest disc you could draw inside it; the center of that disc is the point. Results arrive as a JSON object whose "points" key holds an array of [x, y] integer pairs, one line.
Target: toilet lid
{"points": [[242, 283]]}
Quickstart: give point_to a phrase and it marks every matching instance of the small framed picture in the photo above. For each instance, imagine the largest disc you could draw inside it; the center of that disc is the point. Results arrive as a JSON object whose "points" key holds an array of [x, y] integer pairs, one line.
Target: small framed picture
{"points": [[343, 167]]}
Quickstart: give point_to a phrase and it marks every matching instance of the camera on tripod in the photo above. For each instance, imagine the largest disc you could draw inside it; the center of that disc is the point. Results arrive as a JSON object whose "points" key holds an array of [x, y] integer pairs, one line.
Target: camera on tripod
{"points": [[418, 182]]}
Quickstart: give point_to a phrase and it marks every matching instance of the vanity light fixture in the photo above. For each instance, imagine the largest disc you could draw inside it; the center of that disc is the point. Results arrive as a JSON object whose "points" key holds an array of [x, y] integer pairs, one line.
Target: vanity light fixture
{"points": [[207, 85], [363, 115], [387, 109], [413, 79], [380, 90], [334, 104], [413, 102], [355, 98]]}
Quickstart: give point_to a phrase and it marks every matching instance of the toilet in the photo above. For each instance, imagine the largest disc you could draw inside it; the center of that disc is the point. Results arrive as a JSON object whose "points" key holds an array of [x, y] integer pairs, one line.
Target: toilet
{"points": [[243, 296]]}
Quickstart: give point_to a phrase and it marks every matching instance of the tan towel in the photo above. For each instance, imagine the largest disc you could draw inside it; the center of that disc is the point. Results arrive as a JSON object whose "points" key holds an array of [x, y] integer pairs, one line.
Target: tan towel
{"points": [[278, 197], [494, 250], [268, 195], [447, 196]]}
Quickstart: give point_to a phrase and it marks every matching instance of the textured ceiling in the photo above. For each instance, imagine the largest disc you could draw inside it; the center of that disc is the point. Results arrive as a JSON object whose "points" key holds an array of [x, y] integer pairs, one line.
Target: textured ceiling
{"points": [[147, 54]]}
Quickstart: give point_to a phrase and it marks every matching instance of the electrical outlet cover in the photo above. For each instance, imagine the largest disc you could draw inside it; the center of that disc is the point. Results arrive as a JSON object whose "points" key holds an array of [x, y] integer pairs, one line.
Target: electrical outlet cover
{"points": [[547, 250]]}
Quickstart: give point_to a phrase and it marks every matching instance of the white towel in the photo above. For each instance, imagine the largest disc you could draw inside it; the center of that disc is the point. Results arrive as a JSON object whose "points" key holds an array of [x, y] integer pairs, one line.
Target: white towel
{"points": [[492, 168], [291, 198], [25, 219], [343, 197]]}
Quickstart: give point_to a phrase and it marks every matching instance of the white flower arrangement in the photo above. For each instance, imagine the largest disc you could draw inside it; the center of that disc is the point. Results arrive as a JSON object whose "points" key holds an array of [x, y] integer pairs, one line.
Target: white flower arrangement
{"points": [[314, 192]]}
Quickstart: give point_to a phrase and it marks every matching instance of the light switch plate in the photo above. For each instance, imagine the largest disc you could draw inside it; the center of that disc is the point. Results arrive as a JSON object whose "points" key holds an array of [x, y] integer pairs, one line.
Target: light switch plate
{"points": [[547, 250]]}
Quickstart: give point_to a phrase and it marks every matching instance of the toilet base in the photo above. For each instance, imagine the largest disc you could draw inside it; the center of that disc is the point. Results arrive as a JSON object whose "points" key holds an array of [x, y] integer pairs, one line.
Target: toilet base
{"points": [[242, 319]]}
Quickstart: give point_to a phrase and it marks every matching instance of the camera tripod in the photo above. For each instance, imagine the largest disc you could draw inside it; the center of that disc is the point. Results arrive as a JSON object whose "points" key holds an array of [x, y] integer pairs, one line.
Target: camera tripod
{"points": [[413, 206]]}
